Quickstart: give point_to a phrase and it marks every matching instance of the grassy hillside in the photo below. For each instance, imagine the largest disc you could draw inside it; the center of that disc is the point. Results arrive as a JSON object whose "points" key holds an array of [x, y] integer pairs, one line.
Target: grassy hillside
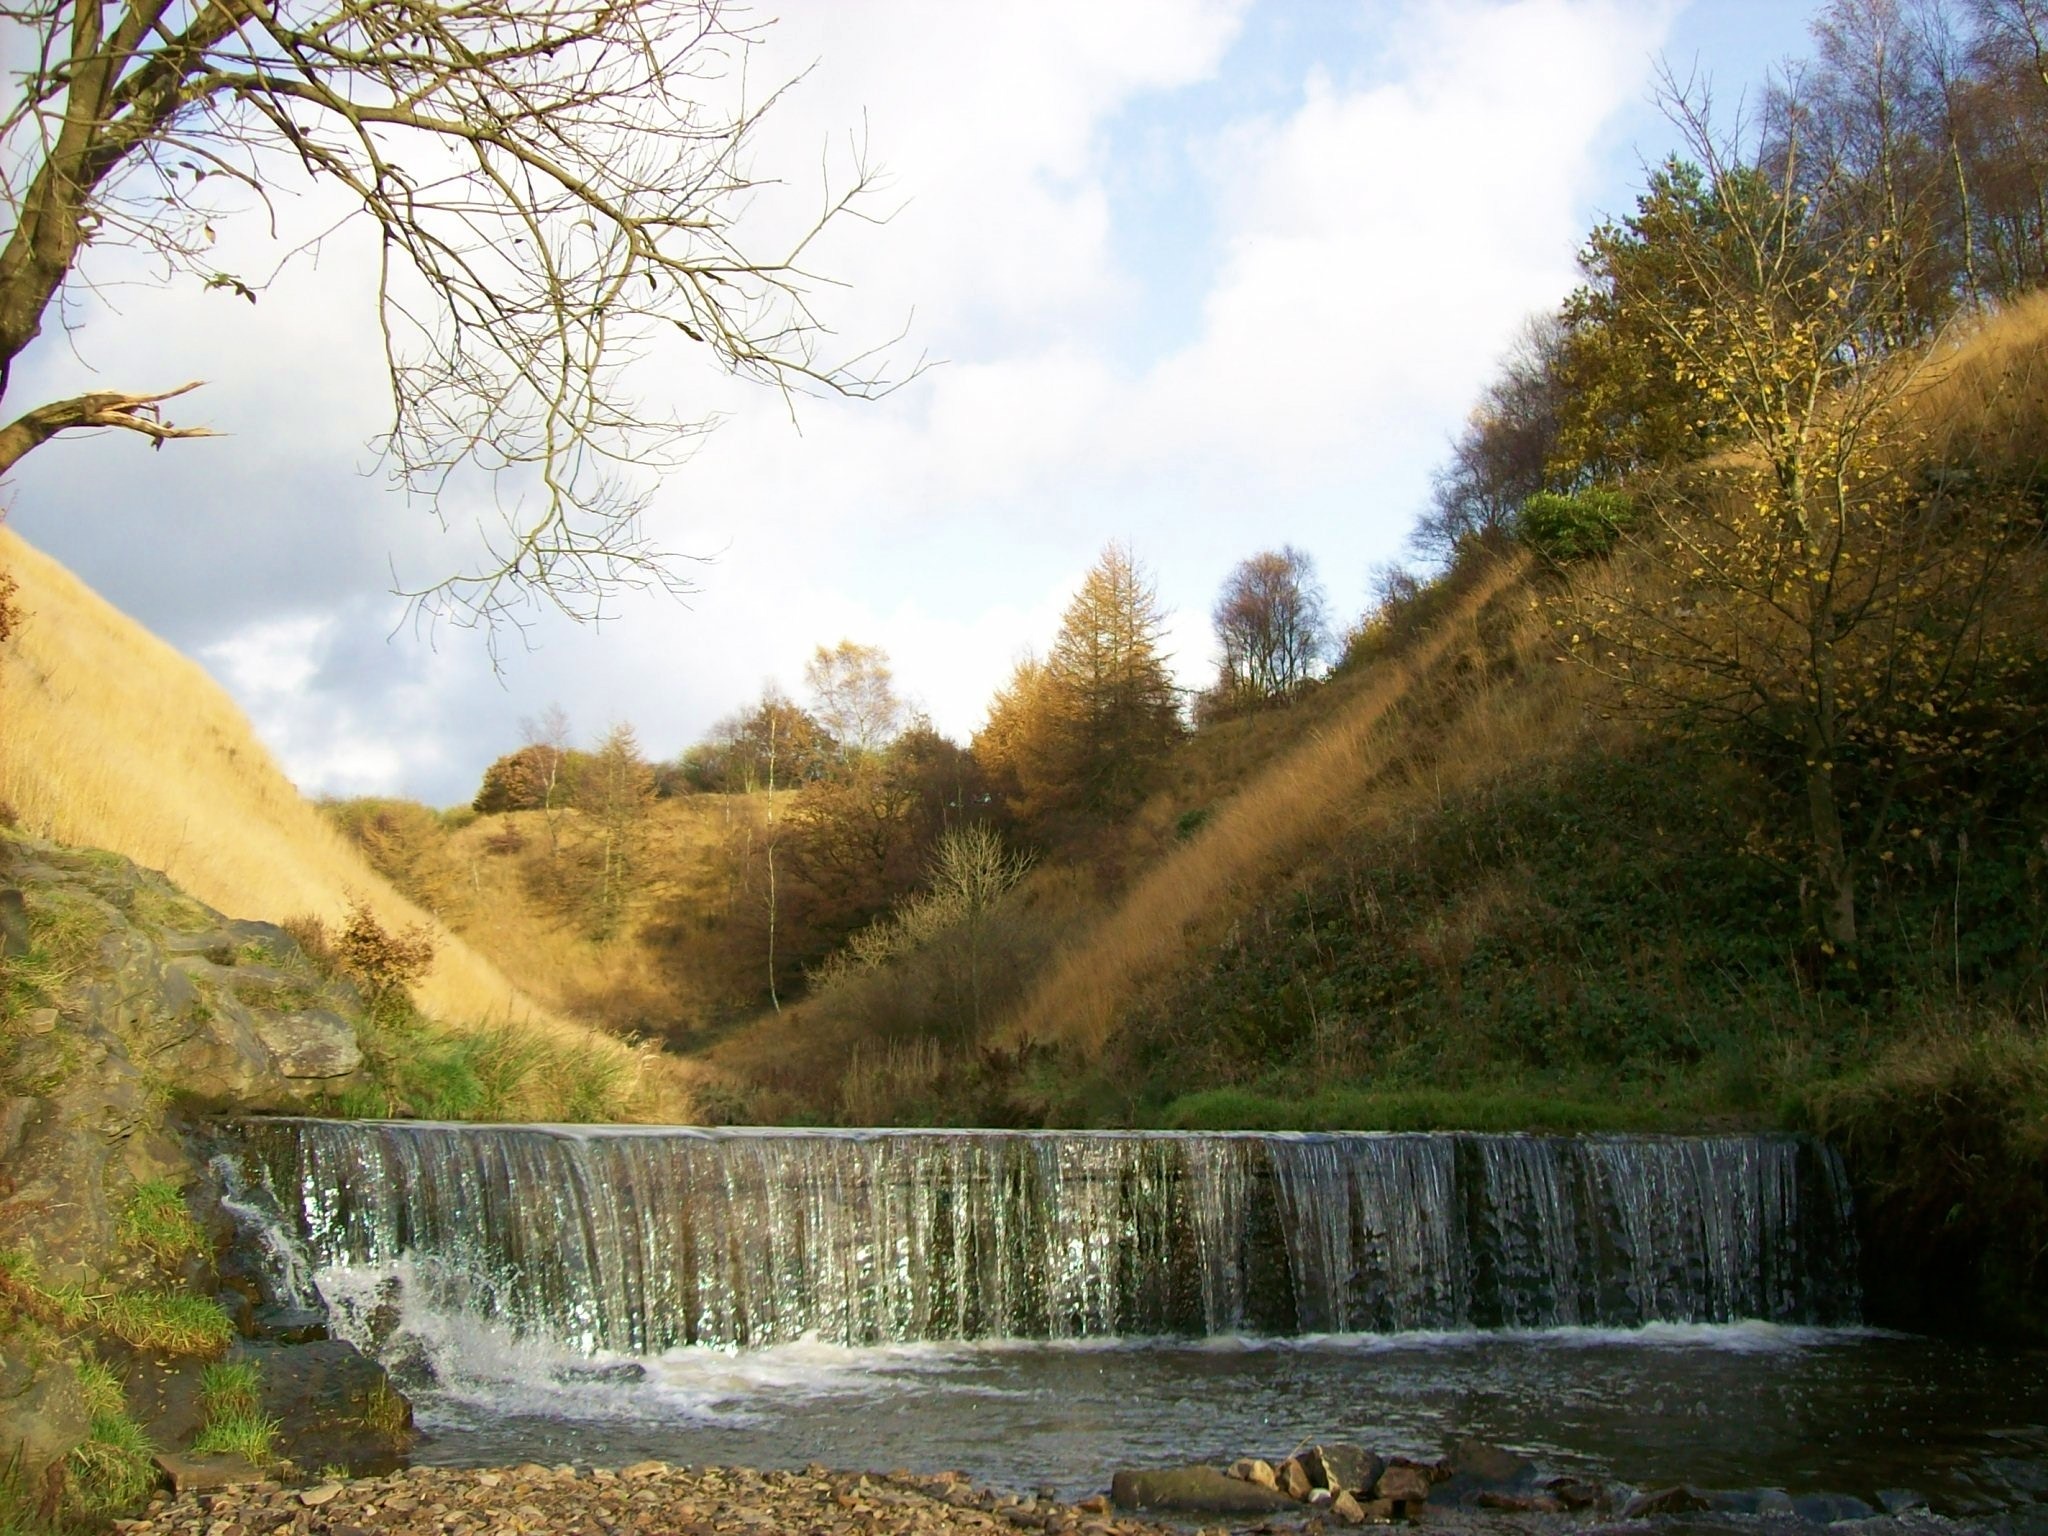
{"points": [[512, 886], [113, 740]]}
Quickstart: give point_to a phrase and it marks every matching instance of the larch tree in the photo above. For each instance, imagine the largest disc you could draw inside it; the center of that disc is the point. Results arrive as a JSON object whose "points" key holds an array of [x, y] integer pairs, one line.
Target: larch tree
{"points": [[1082, 731], [556, 188], [614, 791]]}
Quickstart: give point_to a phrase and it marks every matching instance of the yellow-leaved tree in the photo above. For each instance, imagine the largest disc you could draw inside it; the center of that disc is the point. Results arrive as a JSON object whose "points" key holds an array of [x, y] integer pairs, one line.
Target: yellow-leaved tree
{"points": [[1827, 586]]}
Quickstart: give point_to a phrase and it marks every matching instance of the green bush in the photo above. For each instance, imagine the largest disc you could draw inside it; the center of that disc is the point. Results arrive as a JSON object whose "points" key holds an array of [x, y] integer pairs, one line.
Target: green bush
{"points": [[1566, 528]]}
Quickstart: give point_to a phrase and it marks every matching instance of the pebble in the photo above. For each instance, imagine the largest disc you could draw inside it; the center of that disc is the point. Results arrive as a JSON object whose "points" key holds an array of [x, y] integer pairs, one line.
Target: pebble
{"points": [[646, 1498]]}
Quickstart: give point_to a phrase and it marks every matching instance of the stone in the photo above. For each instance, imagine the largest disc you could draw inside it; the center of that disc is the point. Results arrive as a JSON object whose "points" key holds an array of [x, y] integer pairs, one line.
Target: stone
{"points": [[1342, 1466], [1195, 1490], [1481, 1461], [1403, 1484], [288, 1325], [1576, 1492], [1774, 1501], [1678, 1500], [1381, 1510], [1098, 1504], [1293, 1478], [336, 1406], [324, 1493], [17, 1115], [1827, 1508], [1252, 1470], [1511, 1502], [14, 935], [1319, 1496], [1346, 1509], [311, 1044], [640, 1471], [1900, 1501], [189, 1472]]}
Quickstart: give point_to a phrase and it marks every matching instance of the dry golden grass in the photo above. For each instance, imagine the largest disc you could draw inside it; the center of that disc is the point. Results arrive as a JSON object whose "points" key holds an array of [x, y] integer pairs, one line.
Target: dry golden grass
{"points": [[1308, 797], [111, 739], [514, 887]]}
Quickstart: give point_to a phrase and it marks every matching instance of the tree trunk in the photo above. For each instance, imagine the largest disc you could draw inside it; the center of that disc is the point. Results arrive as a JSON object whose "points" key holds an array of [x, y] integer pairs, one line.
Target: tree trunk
{"points": [[1834, 881]]}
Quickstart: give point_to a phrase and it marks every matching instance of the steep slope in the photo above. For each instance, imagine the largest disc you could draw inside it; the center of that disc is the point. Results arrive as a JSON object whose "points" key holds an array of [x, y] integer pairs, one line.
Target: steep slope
{"points": [[111, 739]]}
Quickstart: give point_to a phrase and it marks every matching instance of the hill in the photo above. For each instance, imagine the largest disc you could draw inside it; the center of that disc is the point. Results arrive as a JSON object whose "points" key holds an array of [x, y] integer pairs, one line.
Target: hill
{"points": [[115, 741]]}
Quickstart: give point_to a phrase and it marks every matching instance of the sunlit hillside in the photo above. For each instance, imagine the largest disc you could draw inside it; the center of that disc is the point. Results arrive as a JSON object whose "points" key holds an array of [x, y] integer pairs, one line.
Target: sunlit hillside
{"points": [[111, 739]]}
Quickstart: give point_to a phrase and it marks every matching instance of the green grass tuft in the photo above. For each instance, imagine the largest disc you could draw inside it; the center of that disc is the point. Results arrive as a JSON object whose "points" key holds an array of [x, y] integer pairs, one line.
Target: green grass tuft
{"points": [[154, 1219], [166, 1322], [112, 1469], [229, 1397]]}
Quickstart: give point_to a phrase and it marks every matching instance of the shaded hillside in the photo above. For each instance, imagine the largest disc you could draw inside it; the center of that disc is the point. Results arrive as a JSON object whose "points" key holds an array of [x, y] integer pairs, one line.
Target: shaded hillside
{"points": [[113, 740]]}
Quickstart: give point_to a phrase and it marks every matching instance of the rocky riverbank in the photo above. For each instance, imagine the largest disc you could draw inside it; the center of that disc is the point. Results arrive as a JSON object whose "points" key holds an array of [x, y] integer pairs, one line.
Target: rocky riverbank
{"points": [[655, 1499], [649, 1496]]}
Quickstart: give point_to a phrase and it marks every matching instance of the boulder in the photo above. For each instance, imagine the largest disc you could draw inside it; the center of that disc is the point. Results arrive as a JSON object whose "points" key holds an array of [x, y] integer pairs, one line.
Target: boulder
{"points": [[1250, 1469], [1577, 1493], [190, 1472], [1481, 1462], [1403, 1484], [1347, 1510], [1827, 1508], [336, 1406], [1195, 1490], [312, 1044], [1678, 1500], [1342, 1466], [1293, 1478], [42, 1411]]}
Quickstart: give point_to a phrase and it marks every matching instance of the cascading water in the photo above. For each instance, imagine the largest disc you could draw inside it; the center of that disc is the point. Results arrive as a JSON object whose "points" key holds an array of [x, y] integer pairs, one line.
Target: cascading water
{"points": [[635, 1241]]}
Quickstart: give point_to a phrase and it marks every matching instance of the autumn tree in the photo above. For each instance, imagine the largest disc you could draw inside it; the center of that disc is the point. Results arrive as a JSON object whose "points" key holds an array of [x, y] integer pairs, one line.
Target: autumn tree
{"points": [[1624, 405], [853, 696], [1116, 706], [614, 792], [1271, 626], [555, 190], [775, 733], [972, 871], [1803, 589], [1081, 732]]}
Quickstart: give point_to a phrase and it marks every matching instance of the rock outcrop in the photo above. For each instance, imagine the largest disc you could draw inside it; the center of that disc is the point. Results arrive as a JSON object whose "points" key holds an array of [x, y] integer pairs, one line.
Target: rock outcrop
{"points": [[128, 1014]]}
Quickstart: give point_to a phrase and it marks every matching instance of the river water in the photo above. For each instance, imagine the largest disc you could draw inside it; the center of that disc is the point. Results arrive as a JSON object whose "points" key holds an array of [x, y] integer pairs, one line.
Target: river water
{"points": [[1650, 1311]]}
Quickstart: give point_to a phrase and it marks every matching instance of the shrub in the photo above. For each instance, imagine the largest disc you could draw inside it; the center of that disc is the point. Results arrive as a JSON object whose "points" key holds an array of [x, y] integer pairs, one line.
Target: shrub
{"points": [[383, 964], [1566, 528]]}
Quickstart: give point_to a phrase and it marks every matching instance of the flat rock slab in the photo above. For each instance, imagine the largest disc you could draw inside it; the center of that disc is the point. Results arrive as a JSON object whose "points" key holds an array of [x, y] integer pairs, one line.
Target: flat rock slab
{"points": [[1197, 1490], [193, 1473]]}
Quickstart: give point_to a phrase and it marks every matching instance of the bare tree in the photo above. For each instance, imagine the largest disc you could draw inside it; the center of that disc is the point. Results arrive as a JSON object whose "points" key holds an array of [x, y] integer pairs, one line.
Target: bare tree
{"points": [[1271, 624], [1502, 456], [557, 196]]}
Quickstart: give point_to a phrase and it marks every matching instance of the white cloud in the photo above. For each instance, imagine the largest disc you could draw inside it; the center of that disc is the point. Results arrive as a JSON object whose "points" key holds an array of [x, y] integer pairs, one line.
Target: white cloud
{"points": [[1352, 250]]}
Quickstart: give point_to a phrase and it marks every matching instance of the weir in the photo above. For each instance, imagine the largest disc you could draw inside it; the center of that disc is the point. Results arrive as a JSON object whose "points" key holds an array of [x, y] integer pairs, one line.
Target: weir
{"points": [[637, 1239]]}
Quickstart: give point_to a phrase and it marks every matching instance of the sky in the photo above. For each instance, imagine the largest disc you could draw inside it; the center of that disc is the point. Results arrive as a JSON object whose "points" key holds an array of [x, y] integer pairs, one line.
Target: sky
{"points": [[1202, 276]]}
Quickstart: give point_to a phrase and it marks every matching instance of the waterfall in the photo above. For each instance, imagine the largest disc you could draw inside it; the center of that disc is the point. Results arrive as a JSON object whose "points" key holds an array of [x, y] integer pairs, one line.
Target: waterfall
{"points": [[636, 1240]]}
